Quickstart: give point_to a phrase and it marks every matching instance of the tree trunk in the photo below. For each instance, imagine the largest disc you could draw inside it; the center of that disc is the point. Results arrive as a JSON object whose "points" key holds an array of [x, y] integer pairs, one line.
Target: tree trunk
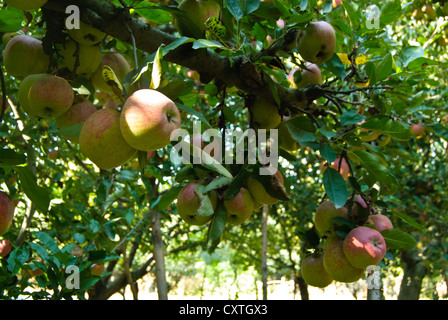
{"points": [[414, 272], [264, 249], [159, 256], [303, 287]]}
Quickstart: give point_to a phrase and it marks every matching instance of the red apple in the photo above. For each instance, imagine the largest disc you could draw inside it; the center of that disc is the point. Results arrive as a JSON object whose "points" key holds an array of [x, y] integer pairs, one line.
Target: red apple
{"points": [[147, 120], [337, 265], [188, 204], [314, 273], [324, 215], [77, 114], [317, 42], [342, 167], [380, 222], [364, 246], [5, 247], [117, 63], [417, 130], [240, 207], [309, 75], [7, 207]]}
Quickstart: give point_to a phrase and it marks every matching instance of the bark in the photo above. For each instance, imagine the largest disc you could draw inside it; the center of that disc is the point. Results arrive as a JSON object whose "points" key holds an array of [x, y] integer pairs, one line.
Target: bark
{"points": [[238, 71], [264, 249], [303, 287], [159, 256], [414, 272]]}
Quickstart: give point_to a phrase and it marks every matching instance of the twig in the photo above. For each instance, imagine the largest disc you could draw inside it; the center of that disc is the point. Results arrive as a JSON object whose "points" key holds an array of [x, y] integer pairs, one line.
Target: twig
{"points": [[2, 78]]}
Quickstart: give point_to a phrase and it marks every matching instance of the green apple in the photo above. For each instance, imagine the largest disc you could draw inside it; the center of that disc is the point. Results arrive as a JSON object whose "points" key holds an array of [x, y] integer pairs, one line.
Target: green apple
{"points": [[86, 34], [259, 193], [264, 114], [77, 114], [324, 215], [313, 271], [337, 265], [147, 120], [24, 89], [117, 63], [85, 59], [309, 75], [240, 207], [24, 55], [26, 4], [7, 207], [197, 12], [317, 43], [364, 246], [102, 142], [8, 36], [5, 247], [285, 139], [189, 202]]}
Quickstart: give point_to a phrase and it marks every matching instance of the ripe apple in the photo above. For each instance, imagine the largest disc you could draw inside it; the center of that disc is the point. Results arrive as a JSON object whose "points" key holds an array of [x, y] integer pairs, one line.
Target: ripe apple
{"points": [[86, 59], [360, 209], [264, 114], [308, 76], [197, 12], [364, 246], [259, 193], [341, 166], [337, 265], [380, 222], [7, 207], [8, 36], [102, 142], [147, 120], [317, 42], [5, 247], [240, 207], [314, 273], [26, 4], [118, 64], [324, 215], [337, 3], [97, 269], [45, 96], [86, 34], [78, 113], [24, 55], [417, 130], [188, 203]]}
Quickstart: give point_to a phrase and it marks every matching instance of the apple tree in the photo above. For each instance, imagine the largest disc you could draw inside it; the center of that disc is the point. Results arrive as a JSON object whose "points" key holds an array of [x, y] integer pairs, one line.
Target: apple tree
{"points": [[133, 131]]}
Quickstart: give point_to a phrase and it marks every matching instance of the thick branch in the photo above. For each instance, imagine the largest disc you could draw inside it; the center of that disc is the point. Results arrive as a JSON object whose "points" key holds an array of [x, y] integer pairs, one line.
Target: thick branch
{"points": [[116, 22]]}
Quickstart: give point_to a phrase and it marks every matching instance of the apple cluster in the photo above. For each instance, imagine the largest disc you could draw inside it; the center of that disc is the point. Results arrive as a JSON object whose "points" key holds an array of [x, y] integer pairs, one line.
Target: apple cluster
{"points": [[197, 208], [345, 258], [108, 136]]}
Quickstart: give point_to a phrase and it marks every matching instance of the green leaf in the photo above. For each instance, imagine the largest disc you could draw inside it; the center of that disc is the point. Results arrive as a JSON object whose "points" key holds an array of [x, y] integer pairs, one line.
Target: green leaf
{"points": [[206, 208], [72, 131], [38, 195], [411, 53], [328, 153], [175, 44], [47, 240], [403, 216], [11, 19], [439, 130], [168, 197], [204, 43], [11, 158], [217, 224], [335, 66], [335, 187], [398, 239], [153, 13], [78, 237], [199, 115], [384, 124], [384, 68], [350, 117], [156, 75], [218, 183], [353, 15], [234, 7], [94, 226], [302, 129]]}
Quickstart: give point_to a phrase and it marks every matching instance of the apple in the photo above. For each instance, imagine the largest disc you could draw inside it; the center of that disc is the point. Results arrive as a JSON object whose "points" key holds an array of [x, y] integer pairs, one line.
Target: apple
{"points": [[117, 63], [317, 42], [78, 113], [86, 35], [259, 193], [24, 55], [45, 96], [26, 4], [364, 246], [380, 222], [337, 265], [197, 12], [417, 130], [324, 215], [188, 204], [313, 271], [147, 120], [337, 3], [342, 167], [7, 207], [53, 154], [240, 207], [360, 209], [309, 75], [5, 247], [86, 59], [101, 140], [97, 269], [264, 114], [8, 36]]}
